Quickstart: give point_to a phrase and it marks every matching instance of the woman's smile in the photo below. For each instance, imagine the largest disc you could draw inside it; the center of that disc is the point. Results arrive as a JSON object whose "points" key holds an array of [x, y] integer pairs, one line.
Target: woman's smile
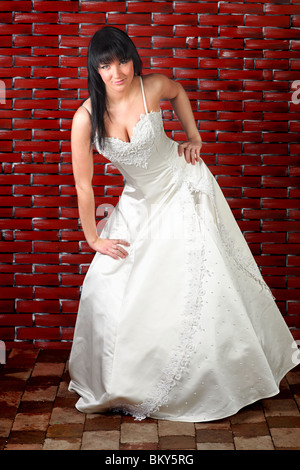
{"points": [[119, 82]]}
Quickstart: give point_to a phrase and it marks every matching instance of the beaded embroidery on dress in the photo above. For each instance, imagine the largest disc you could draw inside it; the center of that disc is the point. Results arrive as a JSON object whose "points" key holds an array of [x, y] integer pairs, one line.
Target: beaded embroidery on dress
{"points": [[185, 328], [137, 151]]}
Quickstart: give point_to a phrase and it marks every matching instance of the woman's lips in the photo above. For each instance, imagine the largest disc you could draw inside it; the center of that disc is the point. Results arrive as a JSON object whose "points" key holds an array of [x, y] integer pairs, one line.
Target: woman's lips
{"points": [[119, 82]]}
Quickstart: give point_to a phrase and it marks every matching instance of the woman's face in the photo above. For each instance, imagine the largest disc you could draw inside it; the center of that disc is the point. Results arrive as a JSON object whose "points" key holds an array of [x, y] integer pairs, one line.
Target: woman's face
{"points": [[117, 75]]}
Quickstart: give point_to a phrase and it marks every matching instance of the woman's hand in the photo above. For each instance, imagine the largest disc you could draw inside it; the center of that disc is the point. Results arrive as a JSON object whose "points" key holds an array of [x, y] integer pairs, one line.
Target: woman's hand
{"points": [[111, 247], [191, 150]]}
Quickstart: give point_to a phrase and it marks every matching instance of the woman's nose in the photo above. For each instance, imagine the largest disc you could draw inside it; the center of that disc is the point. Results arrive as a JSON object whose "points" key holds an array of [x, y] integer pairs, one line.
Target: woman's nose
{"points": [[116, 71]]}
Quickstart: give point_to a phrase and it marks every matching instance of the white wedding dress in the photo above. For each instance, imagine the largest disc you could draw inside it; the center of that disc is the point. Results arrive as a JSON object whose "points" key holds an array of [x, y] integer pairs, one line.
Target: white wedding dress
{"points": [[185, 327]]}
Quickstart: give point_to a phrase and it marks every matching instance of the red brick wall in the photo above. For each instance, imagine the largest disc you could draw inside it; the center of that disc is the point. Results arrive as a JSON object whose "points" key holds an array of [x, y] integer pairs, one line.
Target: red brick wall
{"points": [[237, 61]]}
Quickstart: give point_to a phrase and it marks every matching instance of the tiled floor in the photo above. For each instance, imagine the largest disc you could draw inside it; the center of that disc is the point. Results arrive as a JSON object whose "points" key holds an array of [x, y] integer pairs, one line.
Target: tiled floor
{"points": [[37, 413]]}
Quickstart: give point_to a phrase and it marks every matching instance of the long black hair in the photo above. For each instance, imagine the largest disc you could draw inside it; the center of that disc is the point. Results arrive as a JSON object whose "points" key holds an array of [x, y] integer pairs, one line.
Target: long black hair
{"points": [[107, 44]]}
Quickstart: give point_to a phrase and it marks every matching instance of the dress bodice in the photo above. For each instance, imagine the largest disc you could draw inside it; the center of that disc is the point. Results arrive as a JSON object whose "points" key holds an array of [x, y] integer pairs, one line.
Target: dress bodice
{"points": [[150, 161], [150, 149], [137, 152]]}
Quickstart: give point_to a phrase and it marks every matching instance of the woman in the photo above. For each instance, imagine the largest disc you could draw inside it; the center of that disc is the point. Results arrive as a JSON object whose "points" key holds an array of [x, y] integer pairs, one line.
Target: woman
{"points": [[175, 321]]}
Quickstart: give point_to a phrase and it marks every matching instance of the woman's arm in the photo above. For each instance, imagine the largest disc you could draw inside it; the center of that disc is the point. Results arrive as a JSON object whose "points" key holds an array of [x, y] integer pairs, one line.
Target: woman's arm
{"points": [[182, 107], [83, 169], [174, 92]]}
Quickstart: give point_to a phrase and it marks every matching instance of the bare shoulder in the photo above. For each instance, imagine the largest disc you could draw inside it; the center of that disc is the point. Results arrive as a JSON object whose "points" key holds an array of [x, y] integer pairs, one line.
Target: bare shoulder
{"points": [[161, 86], [155, 81], [81, 118], [87, 105]]}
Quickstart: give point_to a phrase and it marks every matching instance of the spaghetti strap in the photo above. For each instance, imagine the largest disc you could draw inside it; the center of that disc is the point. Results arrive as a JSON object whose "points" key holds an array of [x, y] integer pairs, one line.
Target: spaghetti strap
{"points": [[142, 86], [86, 109]]}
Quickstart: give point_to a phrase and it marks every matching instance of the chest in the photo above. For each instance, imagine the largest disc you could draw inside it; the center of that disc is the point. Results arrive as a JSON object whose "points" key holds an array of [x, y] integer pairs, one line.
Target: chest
{"points": [[138, 150], [121, 124]]}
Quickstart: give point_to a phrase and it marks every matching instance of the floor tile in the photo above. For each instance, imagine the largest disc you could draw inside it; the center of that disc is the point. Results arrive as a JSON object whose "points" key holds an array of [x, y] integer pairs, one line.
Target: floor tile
{"points": [[248, 416], [31, 422], [22, 357], [62, 444], [250, 429], [287, 438], [100, 440], [42, 369], [66, 416], [140, 446], [173, 428], [220, 424], [5, 426], [37, 411], [215, 446], [138, 432], [28, 437], [284, 421], [98, 422], [24, 447], [253, 443], [10, 398], [214, 435], [177, 443], [64, 430], [40, 393], [18, 373], [280, 407]]}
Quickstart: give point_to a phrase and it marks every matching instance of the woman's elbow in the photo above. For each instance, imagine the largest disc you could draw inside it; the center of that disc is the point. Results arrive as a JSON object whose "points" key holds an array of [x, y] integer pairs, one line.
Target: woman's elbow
{"points": [[83, 188]]}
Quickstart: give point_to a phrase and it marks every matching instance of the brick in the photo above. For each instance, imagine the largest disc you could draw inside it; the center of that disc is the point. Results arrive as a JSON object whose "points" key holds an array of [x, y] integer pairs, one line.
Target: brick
{"points": [[62, 444], [155, 30], [162, 7], [36, 17], [240, 8], [38, 333], [122, 18], [82, 18], [237, 61], [17, 5], [271, 32], [194, 7], [162, 18], [178, 62], [40, 5], [102, 422], [62, 292], [133, 433], [241, 31], [102, 6], [100, 440], [172, 428], [285, 438], [21, 41], [177, 443], [254, 443], [55, 320], [36, 61], [31, 422], [10, 71], [14, 29], [36, 279], [201, 31], [56, 72], [214, 435], [41, 306], [267, 20], [162, 42]]}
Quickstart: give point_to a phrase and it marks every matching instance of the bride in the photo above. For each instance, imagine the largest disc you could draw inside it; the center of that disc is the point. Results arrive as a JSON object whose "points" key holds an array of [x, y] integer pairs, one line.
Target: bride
{"points": [[175, 320]]}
